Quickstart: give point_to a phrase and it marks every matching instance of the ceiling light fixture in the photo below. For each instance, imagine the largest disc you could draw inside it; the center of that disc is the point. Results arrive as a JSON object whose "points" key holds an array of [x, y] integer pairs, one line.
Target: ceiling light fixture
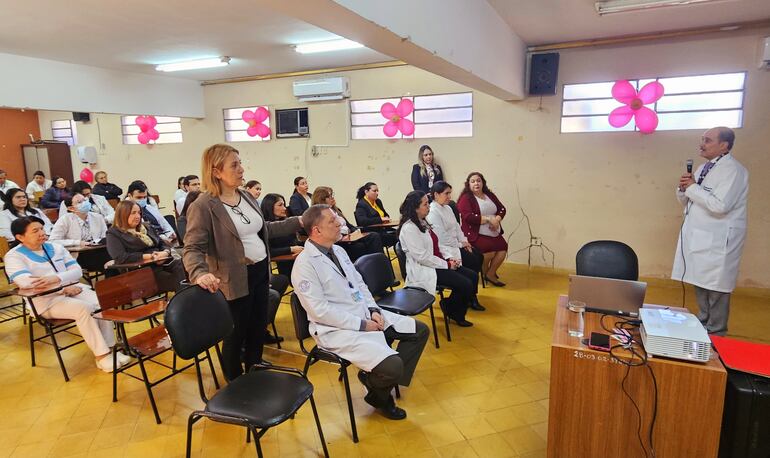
{"points": [[621, 6], [194, 64], [325, 46]]}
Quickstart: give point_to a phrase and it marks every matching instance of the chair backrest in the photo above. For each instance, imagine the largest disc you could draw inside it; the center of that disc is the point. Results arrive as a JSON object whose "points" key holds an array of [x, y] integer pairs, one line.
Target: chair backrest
{"points": [[4, 247], [125, 288], [156, 198], [401, 256], [196, 320], [113, 202], [608, 259], [51, 213], [376, 272], [301, 323]]}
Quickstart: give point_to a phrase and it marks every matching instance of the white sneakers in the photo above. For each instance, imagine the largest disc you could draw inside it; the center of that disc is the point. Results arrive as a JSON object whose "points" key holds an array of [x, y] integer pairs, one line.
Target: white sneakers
{"points": [[105, 363]]}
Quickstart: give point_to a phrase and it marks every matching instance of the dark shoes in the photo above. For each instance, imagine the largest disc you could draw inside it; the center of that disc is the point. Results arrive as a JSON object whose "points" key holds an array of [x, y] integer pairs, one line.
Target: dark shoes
{"points": [[474, 304], [495, 282], [463, 323], [271, 339], [388, 409]]}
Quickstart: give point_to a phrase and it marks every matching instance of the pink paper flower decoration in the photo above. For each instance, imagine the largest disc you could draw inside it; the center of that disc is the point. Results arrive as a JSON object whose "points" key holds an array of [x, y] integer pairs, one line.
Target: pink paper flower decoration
{"points": [[255, 120], [147, 126], [397, 118], [634, 105]]}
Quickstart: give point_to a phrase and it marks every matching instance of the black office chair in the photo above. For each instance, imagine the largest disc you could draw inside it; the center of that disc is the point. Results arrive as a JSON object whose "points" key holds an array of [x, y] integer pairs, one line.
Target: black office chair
{"points": [[260, 399], [401, 256], [608, 259], [378, 276]]}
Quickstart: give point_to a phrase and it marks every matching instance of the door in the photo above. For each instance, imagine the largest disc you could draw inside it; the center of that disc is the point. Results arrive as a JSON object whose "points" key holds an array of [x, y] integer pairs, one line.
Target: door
{"points": [[60, 161]]}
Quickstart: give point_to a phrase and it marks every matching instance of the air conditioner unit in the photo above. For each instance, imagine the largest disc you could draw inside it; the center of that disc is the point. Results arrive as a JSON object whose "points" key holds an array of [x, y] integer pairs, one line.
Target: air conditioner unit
{"points": [[333, 88], [764, 60]]}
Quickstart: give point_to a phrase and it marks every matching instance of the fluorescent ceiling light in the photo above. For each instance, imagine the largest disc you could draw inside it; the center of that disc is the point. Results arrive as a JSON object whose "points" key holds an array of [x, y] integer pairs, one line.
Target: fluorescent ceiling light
{"points": [[620, 6], [324, 46], [194, 64]]}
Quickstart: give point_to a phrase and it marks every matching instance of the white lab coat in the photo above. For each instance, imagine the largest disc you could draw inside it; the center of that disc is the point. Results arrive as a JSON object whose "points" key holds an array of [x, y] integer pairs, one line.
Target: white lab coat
{"points": [[66, 230], [33, 187], [100, 206], [421, 263], [714, 229], [447, 229], [336, 304], [6, 218]]}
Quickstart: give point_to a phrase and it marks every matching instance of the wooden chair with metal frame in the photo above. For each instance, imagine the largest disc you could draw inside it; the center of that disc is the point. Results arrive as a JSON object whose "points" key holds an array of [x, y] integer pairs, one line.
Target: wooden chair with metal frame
{"points": [[13, 310], [117, 296], [260, 399]]}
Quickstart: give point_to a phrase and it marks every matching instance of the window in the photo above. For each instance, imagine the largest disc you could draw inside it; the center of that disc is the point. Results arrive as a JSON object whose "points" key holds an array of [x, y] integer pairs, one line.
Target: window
{"points": [[690, 102], [235, 126], [169, 128], [443, 115], [64, 131]]}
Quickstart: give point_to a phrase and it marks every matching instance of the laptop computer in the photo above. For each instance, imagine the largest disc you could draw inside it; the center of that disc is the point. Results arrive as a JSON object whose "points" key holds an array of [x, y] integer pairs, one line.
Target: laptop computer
{"points": [[608, 295]]}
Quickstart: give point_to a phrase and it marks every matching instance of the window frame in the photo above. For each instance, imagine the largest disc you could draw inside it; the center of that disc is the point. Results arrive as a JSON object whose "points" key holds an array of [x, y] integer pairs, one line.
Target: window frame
{"points": [[133, 125], [256, 138], [73, 137]]}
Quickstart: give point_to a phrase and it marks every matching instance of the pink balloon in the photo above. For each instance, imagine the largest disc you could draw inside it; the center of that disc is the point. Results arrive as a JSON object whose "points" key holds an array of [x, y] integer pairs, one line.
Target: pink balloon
{"points": [[153, 134], [247, 115], [623, 91], [620, 116], [646, 120], [406, 126], [252, 131], [390, 129], [262, 130], [388, 111], [152, 121], [140, 121], [261, 114], [405, 106], [87, 175], [651, 92], [143, 138]]}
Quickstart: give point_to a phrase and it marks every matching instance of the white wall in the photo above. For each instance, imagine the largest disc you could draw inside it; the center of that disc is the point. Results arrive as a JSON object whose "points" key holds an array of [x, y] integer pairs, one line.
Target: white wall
{"points": [[574, 187]]}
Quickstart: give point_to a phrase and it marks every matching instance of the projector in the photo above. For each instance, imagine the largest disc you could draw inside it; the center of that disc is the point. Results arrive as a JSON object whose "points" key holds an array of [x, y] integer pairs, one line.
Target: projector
{"points": [[674, 334]]}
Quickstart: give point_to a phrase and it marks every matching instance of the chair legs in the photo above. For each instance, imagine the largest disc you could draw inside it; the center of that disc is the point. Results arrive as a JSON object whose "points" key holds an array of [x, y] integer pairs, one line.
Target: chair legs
{"points": [[320, 430], [31, 342], [50, 332], [148, 386], [433, 325], [351, 412], [446, 317], [194, 417]]}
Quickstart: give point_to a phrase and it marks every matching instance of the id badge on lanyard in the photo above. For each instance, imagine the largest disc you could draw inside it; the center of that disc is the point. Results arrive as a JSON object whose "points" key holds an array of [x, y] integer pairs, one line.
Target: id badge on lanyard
{"points": [[355, 294]]}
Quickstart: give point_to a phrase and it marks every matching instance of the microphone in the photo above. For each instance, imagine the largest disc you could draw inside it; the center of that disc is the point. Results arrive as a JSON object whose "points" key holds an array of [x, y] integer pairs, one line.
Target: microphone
{"points": [[689, 165]]}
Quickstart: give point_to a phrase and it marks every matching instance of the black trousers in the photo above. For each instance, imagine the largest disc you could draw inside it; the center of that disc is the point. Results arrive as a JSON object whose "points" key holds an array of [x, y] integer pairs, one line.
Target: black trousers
{"points": [[372, 243], [464, 283], [472, 259], [249, 319]]}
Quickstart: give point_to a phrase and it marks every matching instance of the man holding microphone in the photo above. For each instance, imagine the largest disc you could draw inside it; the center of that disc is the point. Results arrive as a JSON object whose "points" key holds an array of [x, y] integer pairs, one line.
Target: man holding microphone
{"points": [[714, 228]]}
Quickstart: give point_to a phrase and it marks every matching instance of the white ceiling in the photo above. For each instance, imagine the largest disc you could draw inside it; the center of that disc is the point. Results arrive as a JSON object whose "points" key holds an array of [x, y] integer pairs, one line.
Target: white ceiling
{"points": [[135, 35], [554, 21]]}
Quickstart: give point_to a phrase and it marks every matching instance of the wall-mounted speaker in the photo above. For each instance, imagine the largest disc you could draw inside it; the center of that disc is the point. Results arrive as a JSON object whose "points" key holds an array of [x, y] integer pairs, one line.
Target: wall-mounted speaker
{"points": [[543, 73], [82, 117]]}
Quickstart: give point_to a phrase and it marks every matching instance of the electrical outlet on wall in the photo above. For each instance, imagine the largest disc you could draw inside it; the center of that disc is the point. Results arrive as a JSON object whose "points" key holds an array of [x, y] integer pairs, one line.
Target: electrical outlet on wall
{"points": [[536, 241]]}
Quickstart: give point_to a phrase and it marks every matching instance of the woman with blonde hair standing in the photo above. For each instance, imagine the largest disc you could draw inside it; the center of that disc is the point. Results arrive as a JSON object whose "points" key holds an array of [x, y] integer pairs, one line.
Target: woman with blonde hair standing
{"points": [[426, 171], [227, 248]]}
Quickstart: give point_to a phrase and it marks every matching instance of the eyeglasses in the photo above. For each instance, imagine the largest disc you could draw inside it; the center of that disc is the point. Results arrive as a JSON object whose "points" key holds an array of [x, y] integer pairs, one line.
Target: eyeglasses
{"points": [[237, 210]]}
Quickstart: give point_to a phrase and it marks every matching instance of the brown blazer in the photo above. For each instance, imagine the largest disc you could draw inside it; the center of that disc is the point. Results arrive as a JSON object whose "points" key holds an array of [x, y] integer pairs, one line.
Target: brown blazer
{"points": [[212, 244]]}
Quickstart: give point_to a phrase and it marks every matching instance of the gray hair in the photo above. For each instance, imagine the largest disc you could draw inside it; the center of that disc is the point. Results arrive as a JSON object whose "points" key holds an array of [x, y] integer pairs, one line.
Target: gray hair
{"points": [[312, 216], [725, 134]]}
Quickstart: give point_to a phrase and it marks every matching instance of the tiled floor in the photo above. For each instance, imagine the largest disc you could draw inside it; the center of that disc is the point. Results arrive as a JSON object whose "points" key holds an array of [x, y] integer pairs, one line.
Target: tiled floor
{"points": [[484, 394]]}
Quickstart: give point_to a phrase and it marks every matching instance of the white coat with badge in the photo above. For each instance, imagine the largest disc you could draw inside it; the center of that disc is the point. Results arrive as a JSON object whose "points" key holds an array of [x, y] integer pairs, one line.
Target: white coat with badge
{"points": [[714, 228], [336, 304]]}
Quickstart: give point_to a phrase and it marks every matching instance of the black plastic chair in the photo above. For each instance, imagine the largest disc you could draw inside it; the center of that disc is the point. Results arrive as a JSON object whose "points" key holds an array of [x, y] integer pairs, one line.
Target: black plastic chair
{"points": [[439, 289], [260, 399], [315, 355], [409, 301], [608, 259]]}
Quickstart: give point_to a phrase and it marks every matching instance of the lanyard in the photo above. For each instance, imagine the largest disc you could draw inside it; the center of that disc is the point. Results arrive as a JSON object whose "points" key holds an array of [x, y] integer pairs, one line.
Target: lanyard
{"points": [[50, 261]]}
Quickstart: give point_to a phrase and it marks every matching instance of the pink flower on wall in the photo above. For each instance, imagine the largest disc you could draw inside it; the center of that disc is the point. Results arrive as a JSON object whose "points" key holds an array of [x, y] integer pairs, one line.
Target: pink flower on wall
{"points": [[255, 120], [396, 116], [147, 126], [634, 105]]}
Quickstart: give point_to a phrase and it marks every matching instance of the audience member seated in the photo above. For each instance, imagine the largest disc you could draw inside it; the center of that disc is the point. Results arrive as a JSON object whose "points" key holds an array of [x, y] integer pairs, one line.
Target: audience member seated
{"points": [[180, 192], [371, 241], [190, 183], [98, 203], [426, 266], [426, 171], [128, 241], [369, 211], [5, 183], [56, 194], [451, 241], [150, 200], [17, 206], [38, 184], [181, 221], [481, 213], [345, 320], [38, 264], [105, 188], [274, 209], [80, 225], [278, 286], [137, 192], [254, 188], [300, 199]]}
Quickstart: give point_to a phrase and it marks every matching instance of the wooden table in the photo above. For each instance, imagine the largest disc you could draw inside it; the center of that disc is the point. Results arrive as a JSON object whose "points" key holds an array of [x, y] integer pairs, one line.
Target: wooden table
{"points": [[285, 257], [81, 248], [589, 416], [382, 225]]}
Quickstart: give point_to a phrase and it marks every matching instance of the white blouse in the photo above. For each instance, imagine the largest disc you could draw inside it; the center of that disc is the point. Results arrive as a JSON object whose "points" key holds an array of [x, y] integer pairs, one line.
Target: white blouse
{"points": [[447, 229], [253, 246], [6, 218], [487, 208]]}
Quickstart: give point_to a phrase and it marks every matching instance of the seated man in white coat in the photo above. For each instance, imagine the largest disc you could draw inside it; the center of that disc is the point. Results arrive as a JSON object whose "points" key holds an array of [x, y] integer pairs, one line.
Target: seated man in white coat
{"points": [[344, 319], [35, 263]]}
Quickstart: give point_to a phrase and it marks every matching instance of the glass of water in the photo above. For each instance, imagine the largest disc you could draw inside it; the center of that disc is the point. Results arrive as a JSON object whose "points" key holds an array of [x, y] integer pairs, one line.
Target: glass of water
{"points": [[577, 310]]}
